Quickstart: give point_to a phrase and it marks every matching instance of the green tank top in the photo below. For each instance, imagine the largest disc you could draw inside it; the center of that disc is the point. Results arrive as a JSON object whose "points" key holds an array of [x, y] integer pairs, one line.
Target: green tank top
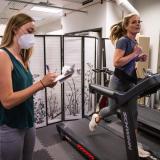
{"points": [[22, 115]]}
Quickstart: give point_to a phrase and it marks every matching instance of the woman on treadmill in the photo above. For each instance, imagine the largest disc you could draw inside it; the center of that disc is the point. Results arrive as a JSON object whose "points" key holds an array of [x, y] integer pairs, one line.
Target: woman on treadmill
{"points": [[126, 54]]}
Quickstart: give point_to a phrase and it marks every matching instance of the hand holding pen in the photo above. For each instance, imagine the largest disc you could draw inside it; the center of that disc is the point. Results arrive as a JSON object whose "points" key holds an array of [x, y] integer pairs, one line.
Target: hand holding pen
{"points": [[49, 79]]}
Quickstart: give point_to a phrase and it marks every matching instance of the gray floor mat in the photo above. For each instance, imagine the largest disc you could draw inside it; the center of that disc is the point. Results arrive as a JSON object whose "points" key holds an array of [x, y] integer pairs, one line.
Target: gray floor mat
{"points": [[42, 155], [48, 135], [49, 146]]}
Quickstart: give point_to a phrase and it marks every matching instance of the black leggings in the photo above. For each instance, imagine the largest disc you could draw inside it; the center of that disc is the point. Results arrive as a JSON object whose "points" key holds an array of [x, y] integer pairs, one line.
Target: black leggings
{"points": [[116, 84]]}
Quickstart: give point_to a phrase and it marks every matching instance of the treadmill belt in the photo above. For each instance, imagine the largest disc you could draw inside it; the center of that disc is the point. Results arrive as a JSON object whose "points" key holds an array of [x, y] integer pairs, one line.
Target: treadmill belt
{"points": [[102, 143], [149, 117]]}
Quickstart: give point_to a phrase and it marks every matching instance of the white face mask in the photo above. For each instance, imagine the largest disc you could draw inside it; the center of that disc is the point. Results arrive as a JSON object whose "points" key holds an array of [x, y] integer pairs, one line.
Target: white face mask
{"points": [[26, 41]]}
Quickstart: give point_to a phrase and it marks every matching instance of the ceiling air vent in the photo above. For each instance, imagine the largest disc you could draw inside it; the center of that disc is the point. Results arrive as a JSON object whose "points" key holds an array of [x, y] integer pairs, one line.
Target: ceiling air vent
{"points": [[86, 2]]}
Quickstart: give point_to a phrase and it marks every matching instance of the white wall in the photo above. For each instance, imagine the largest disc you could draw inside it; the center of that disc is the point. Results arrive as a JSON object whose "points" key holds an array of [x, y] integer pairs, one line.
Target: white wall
{"points": [[114, 14], [49, 27], [98, 16], [95, 18], [150, 11]]}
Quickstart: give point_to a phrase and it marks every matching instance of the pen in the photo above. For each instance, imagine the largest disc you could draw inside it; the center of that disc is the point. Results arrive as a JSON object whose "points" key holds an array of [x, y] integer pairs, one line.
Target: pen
{"points": [[47, 67]]}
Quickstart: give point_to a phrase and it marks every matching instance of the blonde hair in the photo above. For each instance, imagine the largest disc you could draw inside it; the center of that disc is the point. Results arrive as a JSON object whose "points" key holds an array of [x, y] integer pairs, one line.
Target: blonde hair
{"points": [[14, 24], [118, 30]]}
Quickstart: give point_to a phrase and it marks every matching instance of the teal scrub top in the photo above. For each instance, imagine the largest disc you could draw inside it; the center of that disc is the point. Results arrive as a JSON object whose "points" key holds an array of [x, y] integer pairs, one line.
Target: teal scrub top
{"points": [[22, 115]]}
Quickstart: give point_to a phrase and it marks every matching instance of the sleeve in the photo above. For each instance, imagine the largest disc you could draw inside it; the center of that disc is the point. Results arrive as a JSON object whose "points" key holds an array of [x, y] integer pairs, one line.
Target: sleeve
{"points": [[122, 44]]}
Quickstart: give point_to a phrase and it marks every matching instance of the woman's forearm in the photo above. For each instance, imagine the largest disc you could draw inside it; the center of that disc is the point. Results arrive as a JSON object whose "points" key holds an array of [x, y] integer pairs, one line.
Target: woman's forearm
{"points": [[124, 60], [18, 97]]}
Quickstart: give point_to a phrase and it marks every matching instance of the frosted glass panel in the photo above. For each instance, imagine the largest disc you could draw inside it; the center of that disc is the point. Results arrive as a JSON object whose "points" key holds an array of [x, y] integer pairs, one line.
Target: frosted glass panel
{"points": [[109, 47], [37, 69], [72, 87], [53, 60], [89, 75]]}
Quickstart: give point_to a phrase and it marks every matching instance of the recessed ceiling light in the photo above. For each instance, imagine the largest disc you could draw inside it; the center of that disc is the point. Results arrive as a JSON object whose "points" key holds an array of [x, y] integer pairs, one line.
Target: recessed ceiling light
{"points": [[46, 9]]}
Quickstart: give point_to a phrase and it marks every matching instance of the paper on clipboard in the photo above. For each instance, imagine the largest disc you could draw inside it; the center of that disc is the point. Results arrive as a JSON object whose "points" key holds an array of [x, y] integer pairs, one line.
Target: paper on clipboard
{"points": [[67, 71]]}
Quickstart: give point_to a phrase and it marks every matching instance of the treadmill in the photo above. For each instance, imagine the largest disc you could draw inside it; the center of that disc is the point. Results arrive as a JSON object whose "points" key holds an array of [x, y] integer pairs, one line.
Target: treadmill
{"points": [[149, 120], [103, 144]]}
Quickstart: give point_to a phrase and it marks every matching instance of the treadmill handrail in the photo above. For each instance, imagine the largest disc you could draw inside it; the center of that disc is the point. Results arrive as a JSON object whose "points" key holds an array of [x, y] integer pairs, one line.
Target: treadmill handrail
{"points": [[143, 87], [121, 98], [95, 88]]}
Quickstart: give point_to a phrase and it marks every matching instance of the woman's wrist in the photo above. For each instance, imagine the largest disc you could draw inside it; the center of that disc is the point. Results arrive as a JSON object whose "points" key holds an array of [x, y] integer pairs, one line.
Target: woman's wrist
{"points": [[42, 84], [135, 54]]}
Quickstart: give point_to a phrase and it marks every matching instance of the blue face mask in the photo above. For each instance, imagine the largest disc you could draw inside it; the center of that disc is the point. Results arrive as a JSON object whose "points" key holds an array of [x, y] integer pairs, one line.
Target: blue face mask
{"points": [[26, 41]]}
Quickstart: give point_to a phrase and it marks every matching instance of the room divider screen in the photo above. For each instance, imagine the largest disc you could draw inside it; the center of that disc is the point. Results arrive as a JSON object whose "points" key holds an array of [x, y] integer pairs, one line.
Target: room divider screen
{"points": [[70, 100]]}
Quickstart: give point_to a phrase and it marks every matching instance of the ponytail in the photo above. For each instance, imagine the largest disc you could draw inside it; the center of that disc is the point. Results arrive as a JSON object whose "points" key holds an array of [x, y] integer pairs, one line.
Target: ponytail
{"points": [[117, 32]]}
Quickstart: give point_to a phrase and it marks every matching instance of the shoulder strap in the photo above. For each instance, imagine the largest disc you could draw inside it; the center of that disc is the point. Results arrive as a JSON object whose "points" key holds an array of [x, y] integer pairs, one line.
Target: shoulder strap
{"points": [[7, 51]]}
